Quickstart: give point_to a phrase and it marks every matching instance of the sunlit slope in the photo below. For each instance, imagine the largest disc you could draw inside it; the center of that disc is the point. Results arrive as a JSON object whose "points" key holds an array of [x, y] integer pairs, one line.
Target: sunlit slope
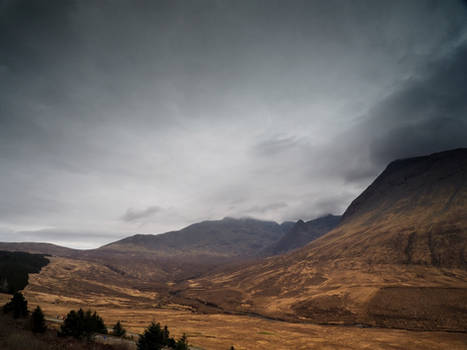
{"points": [[398, 259], [415, 212]]}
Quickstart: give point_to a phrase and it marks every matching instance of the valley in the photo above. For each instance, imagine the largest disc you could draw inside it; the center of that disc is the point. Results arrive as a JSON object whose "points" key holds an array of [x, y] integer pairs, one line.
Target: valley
{"points": [[390, 274]]}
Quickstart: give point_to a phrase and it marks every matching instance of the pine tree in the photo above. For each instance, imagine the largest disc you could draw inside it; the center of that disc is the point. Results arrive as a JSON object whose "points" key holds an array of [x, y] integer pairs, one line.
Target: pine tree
{"points": [[18, 304], [182, 343], [79, 324], [37, 321], [154, 338], [167, 340], [118, 330]]}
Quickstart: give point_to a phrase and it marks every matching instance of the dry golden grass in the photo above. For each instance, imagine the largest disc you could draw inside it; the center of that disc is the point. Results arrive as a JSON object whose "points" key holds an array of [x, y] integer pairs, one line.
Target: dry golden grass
{"points": [[136, 309], [217, 332]]}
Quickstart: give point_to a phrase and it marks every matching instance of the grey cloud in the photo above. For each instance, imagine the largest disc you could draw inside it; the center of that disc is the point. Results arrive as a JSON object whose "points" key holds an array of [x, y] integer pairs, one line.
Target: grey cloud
{"points": [[426, 114], [278, 109], [260, 209], [275, 145], [134, 214], [70, 238]]}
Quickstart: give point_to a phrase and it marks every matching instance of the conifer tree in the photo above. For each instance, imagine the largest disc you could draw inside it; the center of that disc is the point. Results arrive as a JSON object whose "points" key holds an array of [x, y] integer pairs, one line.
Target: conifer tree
{"points": [[182, 343], [18, 304], [38, 321], [154, 338], [118, 330], [79, 324]]}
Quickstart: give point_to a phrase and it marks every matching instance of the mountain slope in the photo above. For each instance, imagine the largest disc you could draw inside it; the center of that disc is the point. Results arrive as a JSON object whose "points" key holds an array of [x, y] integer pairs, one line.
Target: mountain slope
{"points": [[303, 233], [397, 259], [176, 255], [222, 238], [38, 248]]}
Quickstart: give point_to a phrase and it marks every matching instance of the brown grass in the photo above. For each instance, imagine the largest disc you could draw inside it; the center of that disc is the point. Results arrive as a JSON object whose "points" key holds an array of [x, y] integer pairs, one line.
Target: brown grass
{"points": [[220, 331]]}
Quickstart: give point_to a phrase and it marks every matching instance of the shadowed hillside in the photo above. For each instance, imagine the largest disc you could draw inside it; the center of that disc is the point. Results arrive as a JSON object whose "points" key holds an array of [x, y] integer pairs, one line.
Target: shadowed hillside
{"points": [[222, 238], [15, 267], [302, 233], [175, 255]]}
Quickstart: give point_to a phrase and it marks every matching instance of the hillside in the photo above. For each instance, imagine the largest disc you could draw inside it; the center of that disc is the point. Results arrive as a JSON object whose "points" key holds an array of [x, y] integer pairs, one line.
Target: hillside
{"points": [[15, 267], [398, 258], [38, 248], [302, 233], [175, 255], [224, 238]]}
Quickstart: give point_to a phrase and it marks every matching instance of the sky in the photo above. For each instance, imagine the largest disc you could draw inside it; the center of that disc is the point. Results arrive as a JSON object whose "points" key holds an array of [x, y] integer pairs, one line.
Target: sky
{"points": [[125, 117]]}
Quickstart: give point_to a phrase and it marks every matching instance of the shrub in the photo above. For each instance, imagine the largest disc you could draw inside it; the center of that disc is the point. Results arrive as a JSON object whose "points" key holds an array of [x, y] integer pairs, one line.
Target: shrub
{"points": [[182, 343], [79, 324], [154, 338], [18, 305], [118, 330], [37, 321]]}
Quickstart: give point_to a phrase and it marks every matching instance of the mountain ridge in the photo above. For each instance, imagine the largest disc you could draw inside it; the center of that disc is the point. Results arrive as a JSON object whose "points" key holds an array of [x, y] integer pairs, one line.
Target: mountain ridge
{"points": [[303, 233], [397, 259]]}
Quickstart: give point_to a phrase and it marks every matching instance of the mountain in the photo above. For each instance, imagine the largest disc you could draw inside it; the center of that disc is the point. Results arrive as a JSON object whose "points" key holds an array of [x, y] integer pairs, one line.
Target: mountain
{"points": [[38, 248], [302, 233], [287, 226], [175, 255], [224, 238], [397, 259]]}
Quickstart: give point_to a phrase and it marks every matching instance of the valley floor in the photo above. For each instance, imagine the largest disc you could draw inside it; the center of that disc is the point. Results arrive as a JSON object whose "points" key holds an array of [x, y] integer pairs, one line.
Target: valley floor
{"points": [[218, 331]]}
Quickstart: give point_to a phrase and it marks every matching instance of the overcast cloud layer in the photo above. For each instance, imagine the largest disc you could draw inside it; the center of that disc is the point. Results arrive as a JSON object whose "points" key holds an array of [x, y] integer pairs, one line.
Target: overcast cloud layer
{"points": [[123, 117]]}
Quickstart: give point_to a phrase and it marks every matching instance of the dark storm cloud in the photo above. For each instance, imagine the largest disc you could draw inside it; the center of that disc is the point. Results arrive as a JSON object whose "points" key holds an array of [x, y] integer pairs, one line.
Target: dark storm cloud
{"points": [[275, 109], [134, 214], [426, 114]]}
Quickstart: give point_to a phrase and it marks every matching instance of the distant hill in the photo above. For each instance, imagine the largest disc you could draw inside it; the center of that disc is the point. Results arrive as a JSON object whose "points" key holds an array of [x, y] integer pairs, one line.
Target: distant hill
{"points": [[38, 248], [397, 259], [302, 233], [228, 237], [174, 255]]}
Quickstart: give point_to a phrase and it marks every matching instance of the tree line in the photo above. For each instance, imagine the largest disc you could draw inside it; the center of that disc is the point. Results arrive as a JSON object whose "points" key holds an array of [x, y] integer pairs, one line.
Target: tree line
{"points": [[82, 324]]}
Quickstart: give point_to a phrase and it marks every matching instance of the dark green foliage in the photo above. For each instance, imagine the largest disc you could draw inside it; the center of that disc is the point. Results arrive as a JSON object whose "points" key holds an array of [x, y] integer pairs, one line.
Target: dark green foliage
{"points": [[170, 342], [15, 267], [18, 305], [80, 324], [182, 343], [38, 321], [118, 330], [155, 338]]}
